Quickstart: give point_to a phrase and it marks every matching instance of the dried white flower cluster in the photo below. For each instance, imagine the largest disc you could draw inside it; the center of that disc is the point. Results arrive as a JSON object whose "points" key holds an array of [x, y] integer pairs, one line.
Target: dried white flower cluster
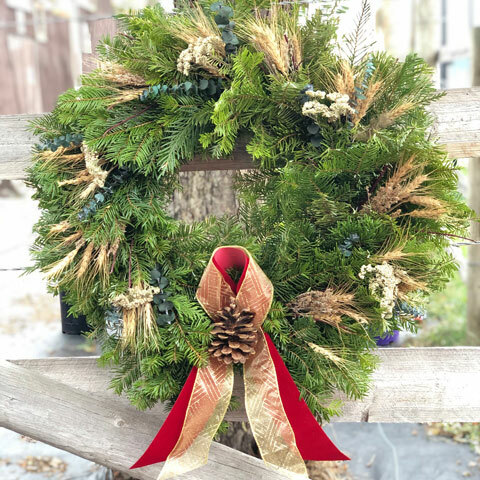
{"points": [[93, 167], [383, 284], [97, 175], [199, 53], [93, 173], [135, 297], [338, 108]]}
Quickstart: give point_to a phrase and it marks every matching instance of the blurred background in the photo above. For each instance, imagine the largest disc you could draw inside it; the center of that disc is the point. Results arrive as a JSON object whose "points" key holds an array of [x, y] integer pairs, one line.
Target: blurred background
{"points": [[44, 47]]}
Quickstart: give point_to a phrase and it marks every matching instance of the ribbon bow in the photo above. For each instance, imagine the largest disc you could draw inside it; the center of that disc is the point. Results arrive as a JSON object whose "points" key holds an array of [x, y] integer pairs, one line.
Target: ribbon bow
{"points": [[285, 430]]}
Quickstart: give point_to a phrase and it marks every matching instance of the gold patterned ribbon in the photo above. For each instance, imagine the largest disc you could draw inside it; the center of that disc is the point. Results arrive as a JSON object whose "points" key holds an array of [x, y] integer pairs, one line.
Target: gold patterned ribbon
{"points": [[284, 428]]}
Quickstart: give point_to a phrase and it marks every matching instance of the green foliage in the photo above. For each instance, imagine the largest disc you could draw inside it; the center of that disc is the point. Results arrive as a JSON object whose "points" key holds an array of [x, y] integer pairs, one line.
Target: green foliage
{"points": [[306, 213], [247, 93], [62, 141], [209, 88], [223, 15], [357, 42]]}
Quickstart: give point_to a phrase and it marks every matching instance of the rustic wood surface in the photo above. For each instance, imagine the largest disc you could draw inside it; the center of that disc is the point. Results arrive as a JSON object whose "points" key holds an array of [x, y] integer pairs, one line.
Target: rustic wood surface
{"points": [[94, 426], [410, 385], [457, 127], [65, 402], [15, 145], [458, 122], [473, 264]]}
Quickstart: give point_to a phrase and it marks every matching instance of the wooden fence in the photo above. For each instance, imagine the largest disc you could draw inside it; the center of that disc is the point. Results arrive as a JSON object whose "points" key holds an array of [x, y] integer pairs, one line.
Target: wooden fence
{"points": [[457, 127], [65, 401]]}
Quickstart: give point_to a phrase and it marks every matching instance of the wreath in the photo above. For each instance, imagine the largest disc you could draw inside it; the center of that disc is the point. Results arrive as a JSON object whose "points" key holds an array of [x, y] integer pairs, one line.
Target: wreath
{"points": [[348, 208]]}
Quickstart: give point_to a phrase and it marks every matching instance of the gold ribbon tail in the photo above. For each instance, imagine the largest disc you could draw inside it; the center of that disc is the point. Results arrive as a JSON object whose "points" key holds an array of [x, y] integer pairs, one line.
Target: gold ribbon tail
{"points": [[208, 404], [269, 422]]}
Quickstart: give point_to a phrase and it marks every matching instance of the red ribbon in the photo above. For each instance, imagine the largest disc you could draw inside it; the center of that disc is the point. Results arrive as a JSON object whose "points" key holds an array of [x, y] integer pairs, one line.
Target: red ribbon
{"points": [[311, 440]]}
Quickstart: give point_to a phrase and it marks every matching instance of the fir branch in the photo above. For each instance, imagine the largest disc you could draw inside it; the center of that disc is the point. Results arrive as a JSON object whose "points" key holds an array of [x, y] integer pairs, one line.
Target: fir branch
{"points": [[125, 120], [356, 42]]}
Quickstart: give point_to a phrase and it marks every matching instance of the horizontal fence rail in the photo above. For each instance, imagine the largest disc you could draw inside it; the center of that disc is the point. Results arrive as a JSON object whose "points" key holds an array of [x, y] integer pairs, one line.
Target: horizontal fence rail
{"points": [[457, 127], [439, 384], [42, 400], [66, 402]]}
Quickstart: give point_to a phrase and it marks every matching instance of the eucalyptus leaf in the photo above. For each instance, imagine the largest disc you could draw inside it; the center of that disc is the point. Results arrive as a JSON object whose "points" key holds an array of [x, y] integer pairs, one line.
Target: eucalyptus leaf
{"points": [[155, 274], [228, 36], [221, 19], [216, 6], [165, 306], [316, 141], [212, 88], [226, 11], [165, 319]]}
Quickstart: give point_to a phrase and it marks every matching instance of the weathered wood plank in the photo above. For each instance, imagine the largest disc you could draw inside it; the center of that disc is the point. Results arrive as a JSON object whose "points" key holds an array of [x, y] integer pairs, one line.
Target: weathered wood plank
{"points": [[64, 402], [410, 385], [98, 29], [15, 145], [102, 430], [458, 122], [457, 127], [83, 373]]}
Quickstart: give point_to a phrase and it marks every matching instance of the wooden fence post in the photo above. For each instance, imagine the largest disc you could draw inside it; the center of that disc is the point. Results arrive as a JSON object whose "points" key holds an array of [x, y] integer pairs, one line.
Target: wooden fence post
{"points": [[473, 303]]}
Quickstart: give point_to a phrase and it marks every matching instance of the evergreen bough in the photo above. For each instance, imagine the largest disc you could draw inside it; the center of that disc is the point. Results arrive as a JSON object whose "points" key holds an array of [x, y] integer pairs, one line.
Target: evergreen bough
{"points": [[329, 195]]}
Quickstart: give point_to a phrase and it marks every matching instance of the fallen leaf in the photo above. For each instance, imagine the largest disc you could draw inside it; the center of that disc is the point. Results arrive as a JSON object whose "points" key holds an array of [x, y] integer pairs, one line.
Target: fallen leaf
{"points": [[49, 466], [370, 462]]}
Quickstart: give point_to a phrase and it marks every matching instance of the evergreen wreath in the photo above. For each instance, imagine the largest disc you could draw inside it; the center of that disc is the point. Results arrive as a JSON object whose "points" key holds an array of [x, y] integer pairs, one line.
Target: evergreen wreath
{"points": [[349, 210]]}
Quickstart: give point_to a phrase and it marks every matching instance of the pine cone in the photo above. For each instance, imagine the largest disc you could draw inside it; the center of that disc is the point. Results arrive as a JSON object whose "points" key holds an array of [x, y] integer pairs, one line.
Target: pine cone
{"points": [[235, 334]]}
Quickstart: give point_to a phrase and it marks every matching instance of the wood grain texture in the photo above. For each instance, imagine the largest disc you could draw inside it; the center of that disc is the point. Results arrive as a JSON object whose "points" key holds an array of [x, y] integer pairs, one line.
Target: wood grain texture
{"points": [[15, 145], [458, 122], [410, 385], [98, 29], [65, 402], [457, 127], [95, 427]]}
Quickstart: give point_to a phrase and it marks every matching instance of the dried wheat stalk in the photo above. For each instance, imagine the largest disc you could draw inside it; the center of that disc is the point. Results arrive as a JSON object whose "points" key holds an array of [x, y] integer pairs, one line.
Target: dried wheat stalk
{"points": [[116, 73], [136, 306], [277, 38], [402, 185], [56, 268], [364, 104], [86, 258], [344, 81], [328, 306], [59, 228]]}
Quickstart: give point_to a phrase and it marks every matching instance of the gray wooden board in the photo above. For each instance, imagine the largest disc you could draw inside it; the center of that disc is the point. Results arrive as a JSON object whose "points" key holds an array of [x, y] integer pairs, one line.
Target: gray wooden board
{"points": [[15, 145], [457, 127], [95, 427], [409, 385], [65, 402]]}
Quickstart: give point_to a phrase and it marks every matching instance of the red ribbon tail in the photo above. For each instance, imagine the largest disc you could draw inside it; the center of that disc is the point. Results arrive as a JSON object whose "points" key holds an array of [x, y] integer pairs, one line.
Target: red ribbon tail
{"points": [[167, 437], [312, 442]]}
